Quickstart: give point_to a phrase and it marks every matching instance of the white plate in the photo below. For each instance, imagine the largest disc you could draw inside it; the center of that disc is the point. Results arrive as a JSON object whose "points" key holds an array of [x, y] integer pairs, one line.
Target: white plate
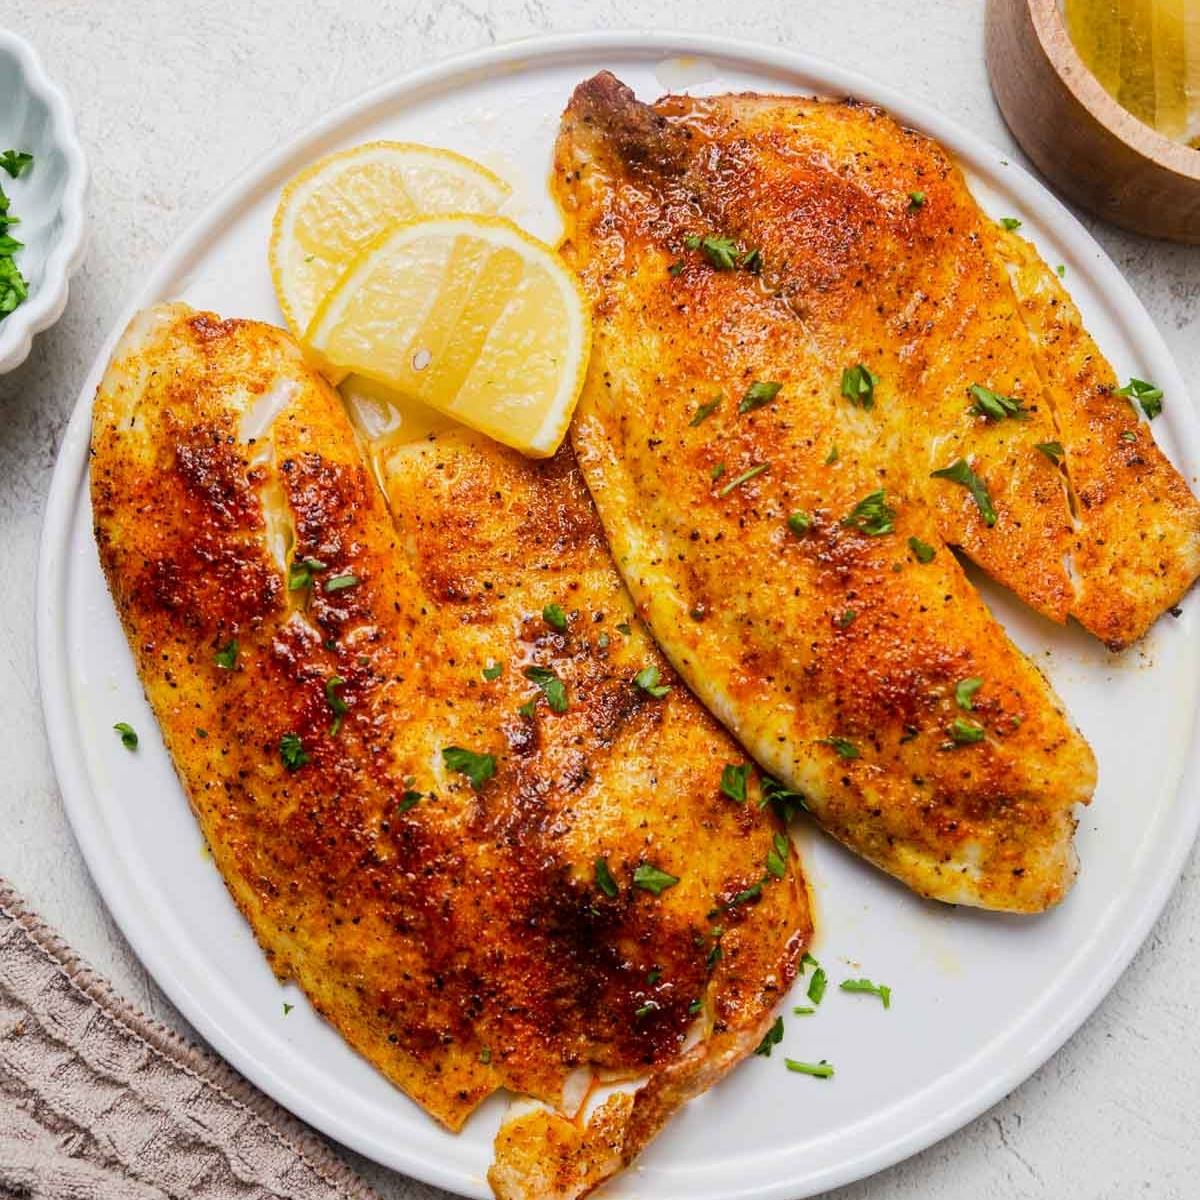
{"points": [[979, 1000]]}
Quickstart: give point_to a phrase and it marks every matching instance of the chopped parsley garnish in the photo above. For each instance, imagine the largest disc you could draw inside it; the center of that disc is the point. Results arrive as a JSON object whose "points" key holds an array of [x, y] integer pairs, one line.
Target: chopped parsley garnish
{"points": [[1147, 394], [647, 679], [744, 477], [15, 161], [994, 406], [821, 1070], [799, 523], [785, 802], [291, 750], [287, 1008], [408, 801], [604, 879], [959, 472], [916, 200], [650, 879], [865, 985], [923, 552], [966, 732], [964, 692], [844, 747], [554, 616], [760, 392], [804, 1010], [1010, 223], [13, 286], [706, 410], [676, 268], [752, 261], [858, 385], [493, 671], [817, 985], [653, 976], [478, 768], [646, 1009], [552, 687], [339, 583], [695, 1006], [771, 1038], [872, 515], [1052, 450], [129, 738], [747, 894], [485, 1055], [722, 252], [733, 781], [300, 574], [226, 657], [337, 705], [717, 472], [777, 856], [807, 960], [624, 628], [1061, 270], [845, 619], [528, 708], [832, 456]]}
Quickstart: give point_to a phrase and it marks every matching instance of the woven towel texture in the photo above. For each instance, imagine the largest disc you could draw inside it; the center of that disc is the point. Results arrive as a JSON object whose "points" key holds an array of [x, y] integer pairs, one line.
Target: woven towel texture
{"points": [[99, 1101]]}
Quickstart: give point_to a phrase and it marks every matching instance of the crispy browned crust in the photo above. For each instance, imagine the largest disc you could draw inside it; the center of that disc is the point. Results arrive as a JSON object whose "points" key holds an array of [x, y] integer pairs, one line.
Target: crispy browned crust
{"points": [[754, 616], [460, 944]]}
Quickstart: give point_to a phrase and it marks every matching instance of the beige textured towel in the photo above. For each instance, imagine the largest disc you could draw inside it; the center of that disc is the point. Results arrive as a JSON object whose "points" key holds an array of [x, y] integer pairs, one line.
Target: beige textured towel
{"points": [[98, 1102]]}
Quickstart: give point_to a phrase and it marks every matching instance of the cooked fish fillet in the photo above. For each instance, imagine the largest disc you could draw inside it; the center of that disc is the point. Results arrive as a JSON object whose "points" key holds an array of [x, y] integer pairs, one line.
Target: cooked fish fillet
{"points": [[310, 664], [877, 253], [779, 542]]}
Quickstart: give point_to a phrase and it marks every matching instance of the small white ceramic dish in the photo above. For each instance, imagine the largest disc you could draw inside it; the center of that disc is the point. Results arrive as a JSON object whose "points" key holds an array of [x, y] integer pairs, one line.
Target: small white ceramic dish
{"points": [[48, 197], [979, 1000]]}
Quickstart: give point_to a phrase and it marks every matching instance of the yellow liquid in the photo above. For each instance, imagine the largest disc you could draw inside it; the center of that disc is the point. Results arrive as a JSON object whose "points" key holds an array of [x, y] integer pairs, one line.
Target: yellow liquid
{"points": [[1146, 53]]}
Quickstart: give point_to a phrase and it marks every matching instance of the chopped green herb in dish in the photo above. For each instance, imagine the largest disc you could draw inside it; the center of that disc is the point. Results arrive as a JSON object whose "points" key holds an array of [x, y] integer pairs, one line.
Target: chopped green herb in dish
{"points": [[771, 1039], [647, 679], [478, 768], [705, 411], [916, 200], [960, 472], [15, 162], [339, 583], [744, 477], [821, 1070], [923, 552], [858, 385], [493, 671], [1148, 395], [554, 616], [966, 733], [817, 985], [1010, 223], [552, 687], [733, 781], [844, 747], [650, 879], [604, 879], [799, 523], [964, 692], [291, 750], [1052, 450], [994, 406], [865, 985], [226, 657], [760, 392], [872, 515], [14, 288], [129, 737]]}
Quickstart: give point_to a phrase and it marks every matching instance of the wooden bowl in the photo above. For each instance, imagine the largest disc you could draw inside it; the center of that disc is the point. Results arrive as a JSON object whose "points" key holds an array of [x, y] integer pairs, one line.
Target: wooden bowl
{"points": [[1080, 138]]}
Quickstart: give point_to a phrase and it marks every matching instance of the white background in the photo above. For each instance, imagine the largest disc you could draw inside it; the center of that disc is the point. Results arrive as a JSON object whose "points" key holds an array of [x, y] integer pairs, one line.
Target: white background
{"points": [[173, 100]]}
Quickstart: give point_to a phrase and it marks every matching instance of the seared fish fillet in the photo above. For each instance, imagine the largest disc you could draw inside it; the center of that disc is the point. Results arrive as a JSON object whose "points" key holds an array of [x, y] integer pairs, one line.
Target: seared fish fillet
{"points": [[786, 546], [877, 254], [452, 817]]}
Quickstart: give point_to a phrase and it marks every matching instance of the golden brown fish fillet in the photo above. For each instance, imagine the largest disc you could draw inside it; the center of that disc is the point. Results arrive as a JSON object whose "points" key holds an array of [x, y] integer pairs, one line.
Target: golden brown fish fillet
{"points": [[768, 540], [874, 246], [458, 932]]}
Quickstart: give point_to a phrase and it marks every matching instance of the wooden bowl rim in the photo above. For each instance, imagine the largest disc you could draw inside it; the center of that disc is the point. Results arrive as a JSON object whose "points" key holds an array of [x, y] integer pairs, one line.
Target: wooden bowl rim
{"points": [[1056, 43]]}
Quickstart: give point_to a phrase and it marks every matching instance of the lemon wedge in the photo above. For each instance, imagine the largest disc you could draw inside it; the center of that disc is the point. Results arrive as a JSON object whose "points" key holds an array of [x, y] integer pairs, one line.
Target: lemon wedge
{"points": [[333, 208], [469, 315]]}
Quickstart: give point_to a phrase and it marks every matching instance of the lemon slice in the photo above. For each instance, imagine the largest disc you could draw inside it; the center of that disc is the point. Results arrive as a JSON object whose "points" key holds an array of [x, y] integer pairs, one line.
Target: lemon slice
{"points": [[469, 315], [332, 209]]}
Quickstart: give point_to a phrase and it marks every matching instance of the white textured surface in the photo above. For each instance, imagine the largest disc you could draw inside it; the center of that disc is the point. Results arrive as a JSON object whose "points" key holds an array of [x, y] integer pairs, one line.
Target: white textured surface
{"points": [[173, 101]]}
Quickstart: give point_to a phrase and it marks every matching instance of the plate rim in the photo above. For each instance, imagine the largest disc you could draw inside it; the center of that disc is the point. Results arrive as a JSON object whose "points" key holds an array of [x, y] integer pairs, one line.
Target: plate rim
{"points": [[1106, 960]]}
